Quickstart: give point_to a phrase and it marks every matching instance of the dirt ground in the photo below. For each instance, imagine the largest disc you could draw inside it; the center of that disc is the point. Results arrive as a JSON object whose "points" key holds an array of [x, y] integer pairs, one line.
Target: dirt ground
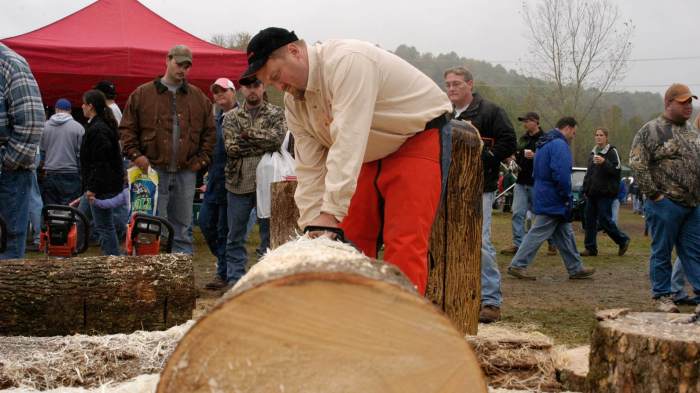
{"points": [[554, 305]]}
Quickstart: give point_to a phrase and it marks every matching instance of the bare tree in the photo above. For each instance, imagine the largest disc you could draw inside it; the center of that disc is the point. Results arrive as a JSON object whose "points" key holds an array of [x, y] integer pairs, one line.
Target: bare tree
{"points": [[581, 47], [238, 40]]}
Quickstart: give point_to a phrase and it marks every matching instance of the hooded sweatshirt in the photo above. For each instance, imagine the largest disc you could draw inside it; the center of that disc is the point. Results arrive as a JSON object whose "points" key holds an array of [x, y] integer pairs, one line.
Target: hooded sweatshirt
{"points": [[60, 143]]}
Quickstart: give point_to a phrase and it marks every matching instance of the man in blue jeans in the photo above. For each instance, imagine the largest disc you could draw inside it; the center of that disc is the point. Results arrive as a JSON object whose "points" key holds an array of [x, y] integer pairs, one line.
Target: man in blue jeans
{"points": [[250, 131], [21, 123], [664, 158], [212, 215], [552, 173]]}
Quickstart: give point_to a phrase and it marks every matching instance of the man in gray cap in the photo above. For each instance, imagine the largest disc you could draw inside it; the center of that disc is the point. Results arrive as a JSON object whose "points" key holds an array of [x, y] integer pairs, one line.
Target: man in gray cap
{"points": [[169, 124]]}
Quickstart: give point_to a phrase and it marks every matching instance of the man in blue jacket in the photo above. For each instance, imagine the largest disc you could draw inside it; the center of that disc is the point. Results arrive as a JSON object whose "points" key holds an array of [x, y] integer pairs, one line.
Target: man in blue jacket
{"points": [[552, 173]]}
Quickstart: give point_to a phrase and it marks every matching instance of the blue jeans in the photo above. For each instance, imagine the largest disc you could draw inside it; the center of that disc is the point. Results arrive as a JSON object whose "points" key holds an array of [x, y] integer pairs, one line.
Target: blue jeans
{"points": [[264, 225], [599, 213], [490, 275], [522, 202], [672, 225], [35, 206], [562, 235], [15, 188], [213, 222], [60, 188], [238, 211], [615, 210], [175, 198]]}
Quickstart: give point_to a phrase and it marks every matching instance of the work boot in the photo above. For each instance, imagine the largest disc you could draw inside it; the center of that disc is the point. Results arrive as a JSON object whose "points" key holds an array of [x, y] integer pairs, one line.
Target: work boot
{"points": [[509, 250], [489, 314], [623, 248], [589, 253], [216, 283], [666, 304], [520, 272], [584, 273], [551, 250]]}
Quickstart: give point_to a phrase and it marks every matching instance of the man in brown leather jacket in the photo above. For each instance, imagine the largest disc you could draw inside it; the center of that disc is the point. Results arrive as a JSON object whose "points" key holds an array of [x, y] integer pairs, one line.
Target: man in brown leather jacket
{"points": [[169, 124]]}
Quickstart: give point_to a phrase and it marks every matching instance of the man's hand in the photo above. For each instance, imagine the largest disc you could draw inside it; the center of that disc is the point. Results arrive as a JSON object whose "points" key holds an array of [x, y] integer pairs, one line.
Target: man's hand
{"points": [[324, 220], [529, 154], [142, 162], [90, 196]]}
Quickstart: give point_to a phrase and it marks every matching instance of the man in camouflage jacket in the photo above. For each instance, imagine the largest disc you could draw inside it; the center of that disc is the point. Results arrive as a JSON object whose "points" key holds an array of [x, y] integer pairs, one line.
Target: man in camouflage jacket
{"points": [[664, 157], [250, 131]]}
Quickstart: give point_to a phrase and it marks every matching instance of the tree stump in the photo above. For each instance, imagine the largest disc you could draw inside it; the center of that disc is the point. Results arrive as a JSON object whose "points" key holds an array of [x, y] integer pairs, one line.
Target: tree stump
{"points": [[454, 281], [318, 316], [283, 213], [645, 352], [95, 295]]}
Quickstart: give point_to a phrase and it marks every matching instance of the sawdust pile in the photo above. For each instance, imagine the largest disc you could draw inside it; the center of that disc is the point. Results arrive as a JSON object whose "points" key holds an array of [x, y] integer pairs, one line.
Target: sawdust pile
{"points": [[45, 363]]}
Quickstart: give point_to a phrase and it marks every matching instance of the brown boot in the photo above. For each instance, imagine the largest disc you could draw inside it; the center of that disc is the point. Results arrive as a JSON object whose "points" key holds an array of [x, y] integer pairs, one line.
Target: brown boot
{"points": [[216, 283], [489, 314], [583, 274], [589, 253], [509, 250], [551, 250]]}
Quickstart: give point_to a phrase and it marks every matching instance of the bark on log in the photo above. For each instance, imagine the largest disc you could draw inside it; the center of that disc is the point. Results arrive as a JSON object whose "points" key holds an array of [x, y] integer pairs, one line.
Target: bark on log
{"points": [[283, 213], [318, 316], [454, 281], [95, 295], [645, 352]]}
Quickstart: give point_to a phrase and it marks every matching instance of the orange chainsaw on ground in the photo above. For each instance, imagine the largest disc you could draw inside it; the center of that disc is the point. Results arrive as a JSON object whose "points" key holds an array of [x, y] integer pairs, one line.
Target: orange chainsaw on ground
{"points": [[144, 235], [61, 228]]}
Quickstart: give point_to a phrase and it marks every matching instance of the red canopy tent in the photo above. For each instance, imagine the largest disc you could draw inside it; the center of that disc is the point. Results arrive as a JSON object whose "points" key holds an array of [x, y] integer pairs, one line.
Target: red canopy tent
{"points": [[119, 40]]}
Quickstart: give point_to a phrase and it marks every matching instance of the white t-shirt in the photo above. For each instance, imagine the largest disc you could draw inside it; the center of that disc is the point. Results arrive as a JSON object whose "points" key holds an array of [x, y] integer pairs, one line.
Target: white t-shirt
{"points": [[117, 112]]}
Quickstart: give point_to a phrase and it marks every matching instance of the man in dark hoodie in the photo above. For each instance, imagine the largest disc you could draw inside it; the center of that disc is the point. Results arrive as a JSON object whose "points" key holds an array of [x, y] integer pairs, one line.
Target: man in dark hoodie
{"points": [[60, 156], [552, 173], [499, 143]]}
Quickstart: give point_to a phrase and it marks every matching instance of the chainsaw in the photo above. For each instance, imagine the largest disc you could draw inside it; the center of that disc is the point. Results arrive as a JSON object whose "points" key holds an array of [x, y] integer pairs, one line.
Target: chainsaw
{"points": [[144, 234], [60, 229]]}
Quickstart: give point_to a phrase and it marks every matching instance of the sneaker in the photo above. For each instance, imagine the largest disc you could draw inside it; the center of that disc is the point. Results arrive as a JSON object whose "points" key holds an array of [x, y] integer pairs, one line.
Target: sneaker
{"points": [[520, 272], [623, 248], [589, 253], [489, 314], [216, 283], [551, 250], [509, 251], [665, 304], [584, 273]]}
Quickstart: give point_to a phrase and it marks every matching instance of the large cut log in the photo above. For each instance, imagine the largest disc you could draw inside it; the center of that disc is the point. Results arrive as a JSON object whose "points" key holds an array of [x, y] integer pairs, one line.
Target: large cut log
{"points": [[283, 213], [645, 352], [95, 295], [318, 316], [454, 281]]}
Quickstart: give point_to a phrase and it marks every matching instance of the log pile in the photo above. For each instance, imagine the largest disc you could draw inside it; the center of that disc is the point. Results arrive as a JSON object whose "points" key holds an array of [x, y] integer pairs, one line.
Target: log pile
{"points": [[318, 316], [644, 352], [95, 295]]}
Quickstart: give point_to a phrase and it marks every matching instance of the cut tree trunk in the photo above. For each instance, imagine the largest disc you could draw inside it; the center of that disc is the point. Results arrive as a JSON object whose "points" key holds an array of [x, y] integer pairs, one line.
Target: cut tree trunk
{"points": [[95, 295], [318, 316], [454, 281], [283, 213], [645, 352]]}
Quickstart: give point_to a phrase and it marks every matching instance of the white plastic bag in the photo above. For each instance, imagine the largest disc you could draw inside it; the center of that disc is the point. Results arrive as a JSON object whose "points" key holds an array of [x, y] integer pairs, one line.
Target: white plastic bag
{"points": [[272, 167]]}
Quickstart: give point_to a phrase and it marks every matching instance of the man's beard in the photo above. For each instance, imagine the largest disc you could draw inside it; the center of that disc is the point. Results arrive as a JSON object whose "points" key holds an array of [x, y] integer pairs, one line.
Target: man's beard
{"points": [[253, 100]]}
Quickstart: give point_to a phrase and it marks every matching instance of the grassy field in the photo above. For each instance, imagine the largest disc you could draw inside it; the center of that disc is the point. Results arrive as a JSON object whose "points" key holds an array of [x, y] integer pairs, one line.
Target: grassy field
{"points": [[559, 307]]}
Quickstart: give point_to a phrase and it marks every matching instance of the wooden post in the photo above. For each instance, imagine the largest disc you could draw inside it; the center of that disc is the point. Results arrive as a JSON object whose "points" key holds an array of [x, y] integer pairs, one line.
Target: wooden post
{"points": [[283, 213], [318, 316], [644, 352], [454, 281], [95, 295]]}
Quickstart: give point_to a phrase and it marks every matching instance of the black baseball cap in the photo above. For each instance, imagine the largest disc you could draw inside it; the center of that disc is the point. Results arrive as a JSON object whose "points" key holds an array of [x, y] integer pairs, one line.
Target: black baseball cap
{"points": [[107, 88], [263, 44], [530, 116]]}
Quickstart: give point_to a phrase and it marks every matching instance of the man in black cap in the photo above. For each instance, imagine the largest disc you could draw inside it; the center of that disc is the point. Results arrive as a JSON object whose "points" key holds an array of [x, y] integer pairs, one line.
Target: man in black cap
{"points": [[107, 88], [367, 129]]}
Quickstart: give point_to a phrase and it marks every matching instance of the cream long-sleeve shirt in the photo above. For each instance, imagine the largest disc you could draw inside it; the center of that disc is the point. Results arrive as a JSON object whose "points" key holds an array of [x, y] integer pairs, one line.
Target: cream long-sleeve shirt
{"points": [[361, 104]]}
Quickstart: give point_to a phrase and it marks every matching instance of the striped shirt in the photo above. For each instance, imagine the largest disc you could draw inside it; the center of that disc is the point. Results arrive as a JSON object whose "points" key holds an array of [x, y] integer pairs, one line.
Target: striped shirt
{"points": [[21, 112]]}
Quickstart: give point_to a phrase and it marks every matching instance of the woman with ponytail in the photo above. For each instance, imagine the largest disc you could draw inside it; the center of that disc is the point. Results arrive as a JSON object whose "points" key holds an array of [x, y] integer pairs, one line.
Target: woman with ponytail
{"points": [[101, 166]]}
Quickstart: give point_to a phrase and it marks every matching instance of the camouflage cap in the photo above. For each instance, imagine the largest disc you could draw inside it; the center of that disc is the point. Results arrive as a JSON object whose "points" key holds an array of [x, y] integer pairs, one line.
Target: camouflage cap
{"points": [[180, 53], [678, 92]]}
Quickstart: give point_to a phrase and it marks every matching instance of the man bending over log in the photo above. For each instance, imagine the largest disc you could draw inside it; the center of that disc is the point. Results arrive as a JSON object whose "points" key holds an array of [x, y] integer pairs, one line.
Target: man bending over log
{"points": [[367, 128]]}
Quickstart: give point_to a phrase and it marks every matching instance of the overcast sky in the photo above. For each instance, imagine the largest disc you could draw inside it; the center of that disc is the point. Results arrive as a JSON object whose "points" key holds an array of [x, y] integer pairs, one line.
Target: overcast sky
{"points": [[491, 30]]}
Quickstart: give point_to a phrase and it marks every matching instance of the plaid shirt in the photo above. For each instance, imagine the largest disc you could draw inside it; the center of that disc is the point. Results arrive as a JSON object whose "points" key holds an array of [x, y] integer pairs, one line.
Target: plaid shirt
{"points": [[21, 112], [246, 139]]}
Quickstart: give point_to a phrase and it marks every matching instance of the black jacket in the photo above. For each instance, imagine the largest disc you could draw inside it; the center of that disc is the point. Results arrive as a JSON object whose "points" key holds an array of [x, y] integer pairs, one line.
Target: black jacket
{"points": [[528, 142], [101, 164], [496, 132], [603, 180]]}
